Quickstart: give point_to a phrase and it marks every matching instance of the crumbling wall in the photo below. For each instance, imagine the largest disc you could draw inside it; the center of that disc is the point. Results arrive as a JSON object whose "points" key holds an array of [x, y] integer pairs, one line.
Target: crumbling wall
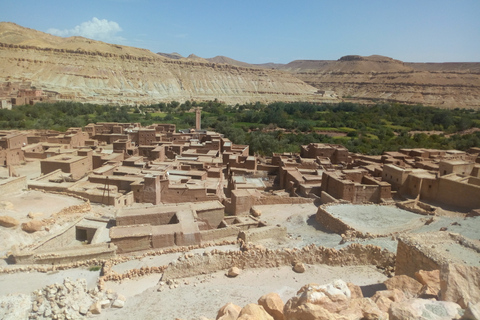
{"points": [[13, 185], [354, 254]]}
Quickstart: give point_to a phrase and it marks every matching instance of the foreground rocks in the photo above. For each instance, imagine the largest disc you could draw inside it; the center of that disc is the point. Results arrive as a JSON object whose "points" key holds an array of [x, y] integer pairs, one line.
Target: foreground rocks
{"points": [[452, 293], [69, 300], [8, 222]]}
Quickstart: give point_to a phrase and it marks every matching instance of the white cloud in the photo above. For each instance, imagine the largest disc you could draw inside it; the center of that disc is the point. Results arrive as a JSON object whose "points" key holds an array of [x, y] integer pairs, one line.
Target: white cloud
{"points": [[97, 29]]}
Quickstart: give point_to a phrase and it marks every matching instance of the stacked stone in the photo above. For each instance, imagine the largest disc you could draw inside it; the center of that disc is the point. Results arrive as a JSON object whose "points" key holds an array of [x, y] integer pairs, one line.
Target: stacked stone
{"points": [[72, 300]]}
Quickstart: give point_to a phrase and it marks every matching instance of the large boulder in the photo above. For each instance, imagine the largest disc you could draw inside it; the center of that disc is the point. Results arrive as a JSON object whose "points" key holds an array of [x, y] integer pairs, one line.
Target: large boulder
{"points": [[229, 311], [430, 281], [233, 272], [32, 226], [385, 298], [423, 309], [472, 312], [273, 304], [460, 284], [253, 311], [355, 291], [299, 267], [409, 286], [8, 222]]}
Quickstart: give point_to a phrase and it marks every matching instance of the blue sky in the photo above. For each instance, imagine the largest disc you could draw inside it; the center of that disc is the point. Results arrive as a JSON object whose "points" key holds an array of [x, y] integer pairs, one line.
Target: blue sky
{"points": [[267, 31]]}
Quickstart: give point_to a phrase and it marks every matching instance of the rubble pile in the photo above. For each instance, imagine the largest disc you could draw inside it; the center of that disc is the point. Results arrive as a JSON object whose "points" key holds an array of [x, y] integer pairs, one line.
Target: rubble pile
{"points": [[71, 300]]}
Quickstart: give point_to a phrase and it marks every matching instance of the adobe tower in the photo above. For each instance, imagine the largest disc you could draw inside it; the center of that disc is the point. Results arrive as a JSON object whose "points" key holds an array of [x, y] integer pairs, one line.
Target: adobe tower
{"points": [[198, 119]]}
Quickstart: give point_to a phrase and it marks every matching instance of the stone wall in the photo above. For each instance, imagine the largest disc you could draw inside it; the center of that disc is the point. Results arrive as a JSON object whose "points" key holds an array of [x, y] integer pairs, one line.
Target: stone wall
{"points": [[354, 254]]}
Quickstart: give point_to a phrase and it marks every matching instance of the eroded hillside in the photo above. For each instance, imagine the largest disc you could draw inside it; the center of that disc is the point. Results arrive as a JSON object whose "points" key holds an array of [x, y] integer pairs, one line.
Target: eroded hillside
{"points": [[94, 71], [447, 85]]}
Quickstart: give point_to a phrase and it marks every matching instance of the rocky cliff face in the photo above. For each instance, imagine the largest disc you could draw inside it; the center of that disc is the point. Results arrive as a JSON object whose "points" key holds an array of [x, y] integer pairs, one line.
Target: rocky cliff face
{"points": [[448, 85], [94, 71]]}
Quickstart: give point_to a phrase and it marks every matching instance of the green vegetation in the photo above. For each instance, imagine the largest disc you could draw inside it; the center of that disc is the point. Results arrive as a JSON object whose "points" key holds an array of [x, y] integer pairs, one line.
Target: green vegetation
{"points": [[276, 127], [94, 268]]}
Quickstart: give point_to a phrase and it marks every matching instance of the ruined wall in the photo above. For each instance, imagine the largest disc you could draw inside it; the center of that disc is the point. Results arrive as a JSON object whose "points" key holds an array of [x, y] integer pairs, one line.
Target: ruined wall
{"points": [[354, 254], [411, 259]]}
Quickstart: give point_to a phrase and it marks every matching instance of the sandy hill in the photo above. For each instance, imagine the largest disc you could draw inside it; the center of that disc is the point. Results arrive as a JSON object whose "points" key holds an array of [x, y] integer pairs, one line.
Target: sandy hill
{"points": [[94, 71]]}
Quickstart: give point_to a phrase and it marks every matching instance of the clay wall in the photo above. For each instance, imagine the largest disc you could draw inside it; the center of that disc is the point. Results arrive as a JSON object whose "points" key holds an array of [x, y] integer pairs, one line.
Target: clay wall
{"points": [[151, 190], [272, 200], [13, 141], [326, 198], [458, 193], [61, 239], [77, 167], [11, 156], [163, 240], [216, 234], [337, 188], [183, 193], [122, 183], [11, 185], [395, 176], [410, 259], [67, 255], [154, 219], [332, 223], [212, 217], [133, 243], [366, 193], [242, 201], [268, 232]]}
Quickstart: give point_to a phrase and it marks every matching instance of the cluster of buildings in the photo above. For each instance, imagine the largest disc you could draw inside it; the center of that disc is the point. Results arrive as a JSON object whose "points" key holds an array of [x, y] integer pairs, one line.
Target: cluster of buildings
{"points": [[21, 93], [174, 188]]}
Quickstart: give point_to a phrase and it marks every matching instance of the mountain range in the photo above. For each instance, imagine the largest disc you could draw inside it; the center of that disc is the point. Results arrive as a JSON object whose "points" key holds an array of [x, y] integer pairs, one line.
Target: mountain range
{"points": [[93, 71]]}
